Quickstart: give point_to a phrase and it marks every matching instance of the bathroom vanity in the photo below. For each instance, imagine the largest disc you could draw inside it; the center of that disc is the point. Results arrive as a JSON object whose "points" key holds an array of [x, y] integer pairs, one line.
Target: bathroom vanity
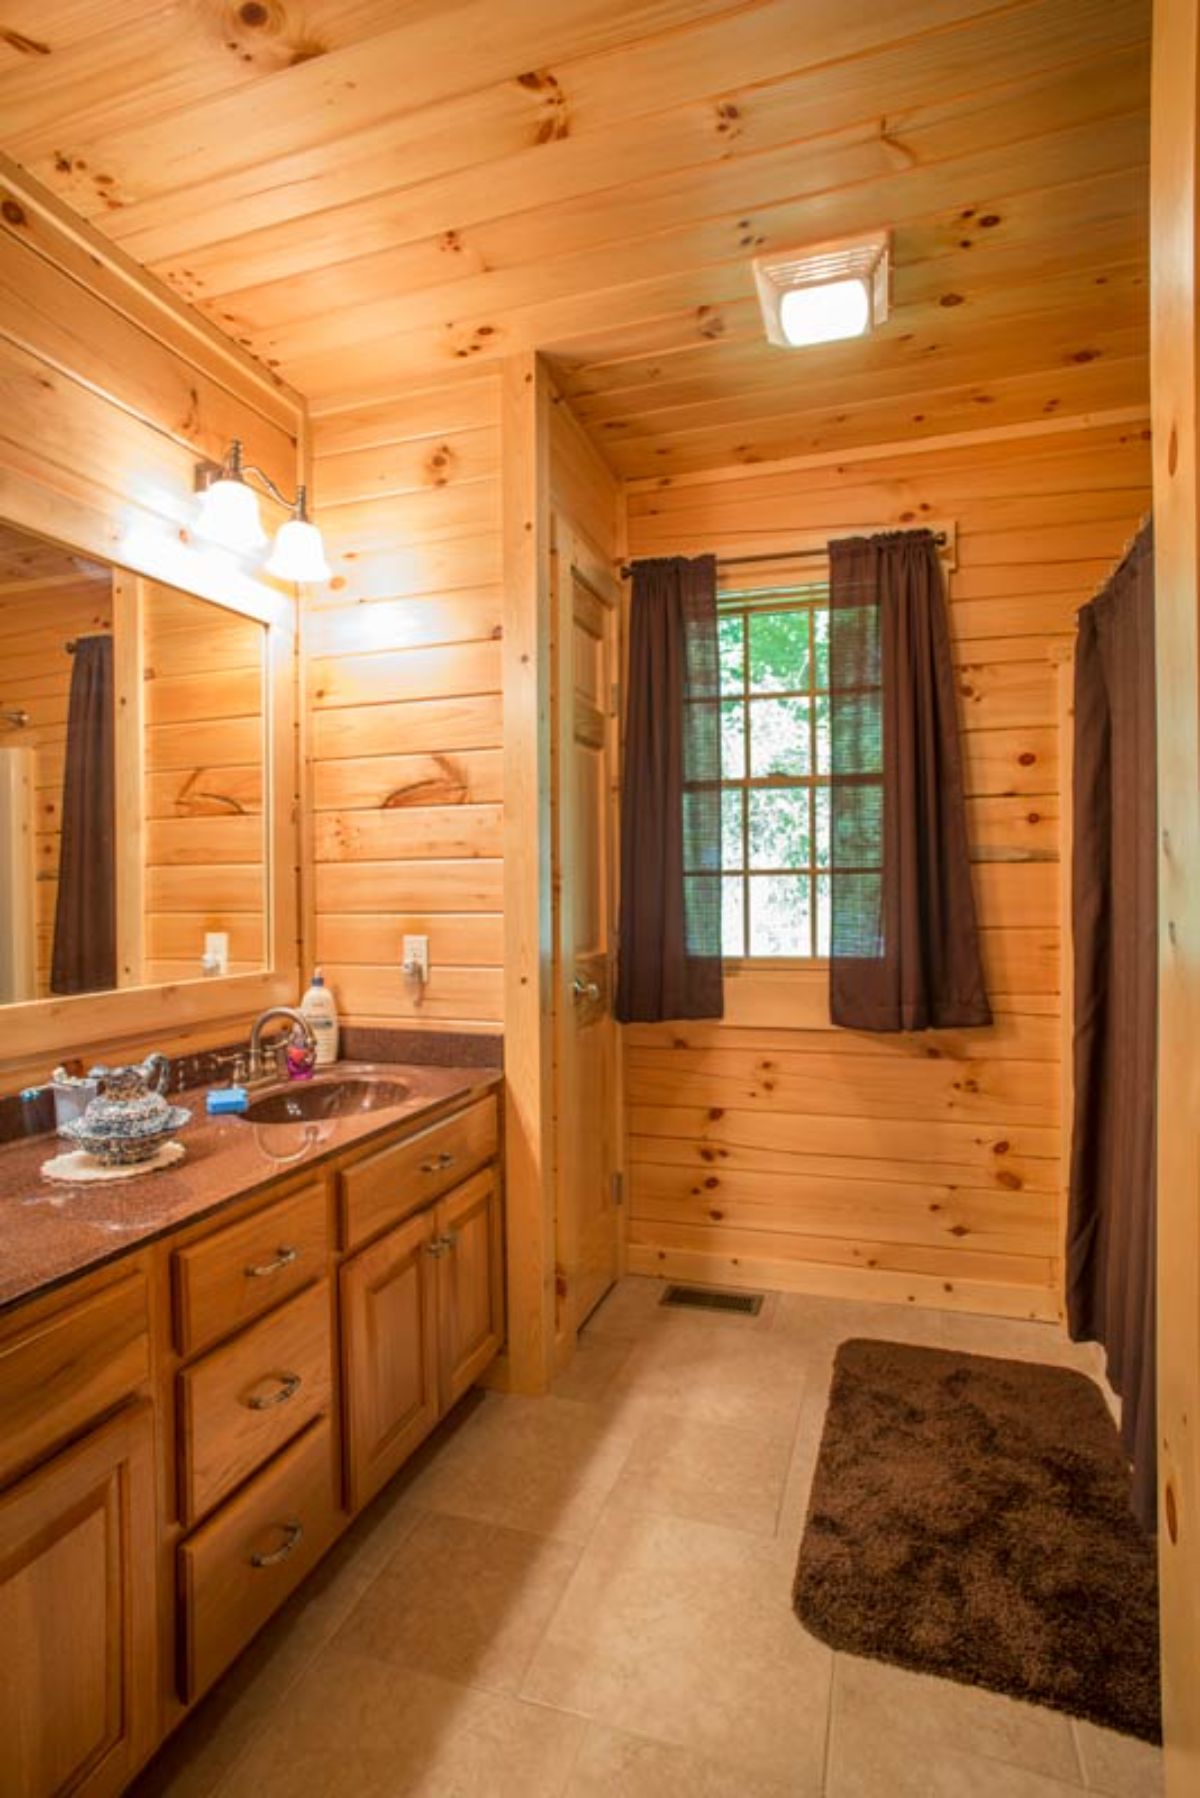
{"points": [[204, 1375]]}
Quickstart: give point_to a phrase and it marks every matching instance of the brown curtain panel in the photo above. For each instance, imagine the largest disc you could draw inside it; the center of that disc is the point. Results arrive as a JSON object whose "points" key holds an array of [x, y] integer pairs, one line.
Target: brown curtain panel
{"points": [[1110, 1221], [904, 948], [85, 918], [669, 960]]}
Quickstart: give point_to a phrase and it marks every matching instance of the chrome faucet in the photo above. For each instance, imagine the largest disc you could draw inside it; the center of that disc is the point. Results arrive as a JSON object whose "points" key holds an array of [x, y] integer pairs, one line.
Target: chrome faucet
{"points": [[264, 1066]]}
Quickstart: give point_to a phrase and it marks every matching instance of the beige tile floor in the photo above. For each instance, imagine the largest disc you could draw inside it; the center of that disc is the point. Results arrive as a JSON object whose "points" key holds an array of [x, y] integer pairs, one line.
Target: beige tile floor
{"points": [[588, 1596]]}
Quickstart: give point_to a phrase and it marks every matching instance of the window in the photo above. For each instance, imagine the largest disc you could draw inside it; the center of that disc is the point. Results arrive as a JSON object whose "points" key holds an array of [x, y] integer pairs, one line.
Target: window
{"points": [[775, 773]]}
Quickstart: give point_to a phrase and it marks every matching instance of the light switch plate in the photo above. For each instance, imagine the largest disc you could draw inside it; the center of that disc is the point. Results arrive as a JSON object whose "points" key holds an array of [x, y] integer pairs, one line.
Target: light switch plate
{"points": [[416, 956]]}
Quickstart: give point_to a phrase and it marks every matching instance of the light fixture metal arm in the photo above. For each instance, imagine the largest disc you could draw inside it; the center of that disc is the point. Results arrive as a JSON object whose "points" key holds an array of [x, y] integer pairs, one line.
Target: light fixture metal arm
{"points": [[236, 469]]}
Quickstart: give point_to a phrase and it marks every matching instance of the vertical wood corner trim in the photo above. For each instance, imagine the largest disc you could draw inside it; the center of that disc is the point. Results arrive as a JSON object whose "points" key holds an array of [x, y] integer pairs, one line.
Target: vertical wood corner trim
{"points": [[528, 928]]}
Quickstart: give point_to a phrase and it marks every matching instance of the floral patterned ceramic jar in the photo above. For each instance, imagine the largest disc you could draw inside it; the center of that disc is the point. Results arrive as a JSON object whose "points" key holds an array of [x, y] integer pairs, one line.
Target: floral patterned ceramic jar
{"points": [[129, 1120]]}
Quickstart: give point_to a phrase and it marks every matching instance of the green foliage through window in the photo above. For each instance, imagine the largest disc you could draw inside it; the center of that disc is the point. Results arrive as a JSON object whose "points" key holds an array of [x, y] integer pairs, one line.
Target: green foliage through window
{"points": [[775, 771]]}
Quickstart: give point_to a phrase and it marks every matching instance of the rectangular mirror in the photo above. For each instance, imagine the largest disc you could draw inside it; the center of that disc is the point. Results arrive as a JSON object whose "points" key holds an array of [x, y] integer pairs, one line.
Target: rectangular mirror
{"points": [[134, 779]]}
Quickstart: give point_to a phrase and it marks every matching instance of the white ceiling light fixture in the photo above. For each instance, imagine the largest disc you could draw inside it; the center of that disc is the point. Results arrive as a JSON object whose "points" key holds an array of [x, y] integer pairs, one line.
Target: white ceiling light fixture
{"points": [[228, 515], [825, 293]]}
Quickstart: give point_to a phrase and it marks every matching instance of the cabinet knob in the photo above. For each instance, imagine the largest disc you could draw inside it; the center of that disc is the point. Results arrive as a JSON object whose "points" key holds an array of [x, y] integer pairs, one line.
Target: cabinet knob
{"points": [[442, 1245], [283, 1259], [585, 992], [289, 1385], [292, 1535]]}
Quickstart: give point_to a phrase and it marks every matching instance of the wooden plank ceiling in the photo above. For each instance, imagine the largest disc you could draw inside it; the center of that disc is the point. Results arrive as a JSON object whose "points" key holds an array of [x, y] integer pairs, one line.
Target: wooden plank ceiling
{"points": [[373, 196]]}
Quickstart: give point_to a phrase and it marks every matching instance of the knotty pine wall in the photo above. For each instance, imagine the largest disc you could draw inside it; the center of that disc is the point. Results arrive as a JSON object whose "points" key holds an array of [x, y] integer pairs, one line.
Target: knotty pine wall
{"points": [[770, 1149], [205, 851], [403, 707], [111, 391]]}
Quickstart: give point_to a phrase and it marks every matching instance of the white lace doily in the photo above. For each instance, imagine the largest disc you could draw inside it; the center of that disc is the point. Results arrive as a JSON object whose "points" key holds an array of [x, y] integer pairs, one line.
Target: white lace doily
{"points": [[79, 1167]]}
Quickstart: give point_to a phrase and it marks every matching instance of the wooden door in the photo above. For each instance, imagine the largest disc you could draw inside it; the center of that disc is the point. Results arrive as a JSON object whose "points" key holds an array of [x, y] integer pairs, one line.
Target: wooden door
{"points": [[389, 1354], [78, 1656], [469, 1252], [587, 1078]]}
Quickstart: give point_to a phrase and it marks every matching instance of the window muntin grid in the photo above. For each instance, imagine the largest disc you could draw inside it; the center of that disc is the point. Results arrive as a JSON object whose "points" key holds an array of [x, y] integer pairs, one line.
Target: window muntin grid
{"points": [[775, 774]]}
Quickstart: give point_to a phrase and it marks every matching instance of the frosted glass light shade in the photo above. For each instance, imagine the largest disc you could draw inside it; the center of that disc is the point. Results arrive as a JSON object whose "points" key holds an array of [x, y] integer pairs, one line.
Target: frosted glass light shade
{"points": [[228, 515], [825, 314], [299, 553]]}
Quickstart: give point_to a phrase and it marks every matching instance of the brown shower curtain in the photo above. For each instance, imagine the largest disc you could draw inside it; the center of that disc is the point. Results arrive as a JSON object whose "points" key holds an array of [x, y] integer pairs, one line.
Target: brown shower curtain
{"points": [[904, 949], [1110, 1224], [669, 962], [85, 918]]}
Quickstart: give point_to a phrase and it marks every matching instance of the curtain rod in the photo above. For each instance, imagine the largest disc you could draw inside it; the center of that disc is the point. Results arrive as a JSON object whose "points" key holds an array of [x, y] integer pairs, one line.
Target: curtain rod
{"points": [[779, 555]]}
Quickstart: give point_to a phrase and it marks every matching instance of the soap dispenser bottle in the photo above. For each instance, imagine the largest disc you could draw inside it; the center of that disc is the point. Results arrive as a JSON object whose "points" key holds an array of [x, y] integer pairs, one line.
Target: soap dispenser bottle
{"points": [[320, 1008]]}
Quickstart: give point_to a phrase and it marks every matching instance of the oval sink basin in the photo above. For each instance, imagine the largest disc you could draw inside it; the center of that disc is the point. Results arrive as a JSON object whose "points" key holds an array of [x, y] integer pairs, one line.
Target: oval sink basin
{"points": [[324, 1099]]}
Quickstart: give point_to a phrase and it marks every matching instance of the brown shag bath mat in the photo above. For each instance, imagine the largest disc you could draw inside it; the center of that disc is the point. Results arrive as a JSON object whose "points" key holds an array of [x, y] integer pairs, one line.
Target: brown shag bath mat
{"points": [[970, 1518]]}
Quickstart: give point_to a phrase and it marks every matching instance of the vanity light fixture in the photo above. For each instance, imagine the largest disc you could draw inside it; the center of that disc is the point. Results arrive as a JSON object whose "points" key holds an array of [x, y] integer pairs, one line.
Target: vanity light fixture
{"points": [[228, 515], [826, 292]]}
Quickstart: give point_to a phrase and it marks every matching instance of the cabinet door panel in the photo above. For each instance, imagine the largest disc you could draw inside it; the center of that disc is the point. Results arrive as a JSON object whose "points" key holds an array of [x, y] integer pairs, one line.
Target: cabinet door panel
{"points": [[470, 1282], [78, 1657], [390, 1354]]}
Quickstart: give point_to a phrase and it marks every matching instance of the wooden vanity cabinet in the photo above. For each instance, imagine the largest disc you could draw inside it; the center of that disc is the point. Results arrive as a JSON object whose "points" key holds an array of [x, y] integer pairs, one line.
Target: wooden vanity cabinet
{"points": [[469, 1250], [390, 1354], [78, 1521], [177, 1453]]}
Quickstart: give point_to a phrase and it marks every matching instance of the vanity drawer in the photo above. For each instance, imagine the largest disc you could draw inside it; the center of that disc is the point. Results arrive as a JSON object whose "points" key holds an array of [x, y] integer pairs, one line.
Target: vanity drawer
{"points": [[235, 1274], [387, 1186], [238, 1568], [68, 1369], [244, 1400]]}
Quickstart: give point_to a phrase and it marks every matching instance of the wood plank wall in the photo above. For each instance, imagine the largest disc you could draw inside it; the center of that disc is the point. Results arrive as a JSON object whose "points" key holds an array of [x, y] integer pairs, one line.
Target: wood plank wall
{"points": [[769, 1149], [111, 390], [403, 707], [205, 852]]}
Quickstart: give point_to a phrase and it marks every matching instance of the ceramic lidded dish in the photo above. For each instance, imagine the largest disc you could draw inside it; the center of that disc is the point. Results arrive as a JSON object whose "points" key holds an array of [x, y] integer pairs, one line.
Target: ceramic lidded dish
{"points": [[126, 1122]]}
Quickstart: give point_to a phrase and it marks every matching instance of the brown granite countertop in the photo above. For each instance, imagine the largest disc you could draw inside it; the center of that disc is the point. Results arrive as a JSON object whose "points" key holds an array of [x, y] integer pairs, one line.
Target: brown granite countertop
{"points": [[50, 1234]]}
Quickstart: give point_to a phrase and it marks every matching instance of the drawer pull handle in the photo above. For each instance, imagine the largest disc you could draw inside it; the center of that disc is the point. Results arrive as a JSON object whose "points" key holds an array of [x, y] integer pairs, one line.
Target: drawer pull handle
{"points": [[283, 1259], [292, 1534], [444, 1160], [288, 1387]]}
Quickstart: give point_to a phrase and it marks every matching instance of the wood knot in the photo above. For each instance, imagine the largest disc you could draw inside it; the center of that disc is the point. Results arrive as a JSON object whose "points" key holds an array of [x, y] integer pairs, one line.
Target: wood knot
{"points": [[951, 299], [14, 212], [24, 46]]}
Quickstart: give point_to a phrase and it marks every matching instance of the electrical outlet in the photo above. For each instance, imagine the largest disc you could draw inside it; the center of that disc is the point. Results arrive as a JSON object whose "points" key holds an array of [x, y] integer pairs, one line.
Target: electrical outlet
{"points": [[416, 957]]}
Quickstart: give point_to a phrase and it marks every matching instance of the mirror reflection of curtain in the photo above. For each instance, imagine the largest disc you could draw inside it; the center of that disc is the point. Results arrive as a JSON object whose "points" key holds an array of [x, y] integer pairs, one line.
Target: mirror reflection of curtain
{"points": [[1110, 1222], [85, 918]]}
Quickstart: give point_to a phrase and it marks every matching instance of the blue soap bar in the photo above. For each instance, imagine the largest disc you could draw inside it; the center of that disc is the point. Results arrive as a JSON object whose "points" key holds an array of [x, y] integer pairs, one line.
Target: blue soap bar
{"points": [[226, 1098]]}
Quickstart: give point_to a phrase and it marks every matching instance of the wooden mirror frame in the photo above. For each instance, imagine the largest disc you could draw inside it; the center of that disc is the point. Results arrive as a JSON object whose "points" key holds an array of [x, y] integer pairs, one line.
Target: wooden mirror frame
{"points": [[50, 1028]]}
